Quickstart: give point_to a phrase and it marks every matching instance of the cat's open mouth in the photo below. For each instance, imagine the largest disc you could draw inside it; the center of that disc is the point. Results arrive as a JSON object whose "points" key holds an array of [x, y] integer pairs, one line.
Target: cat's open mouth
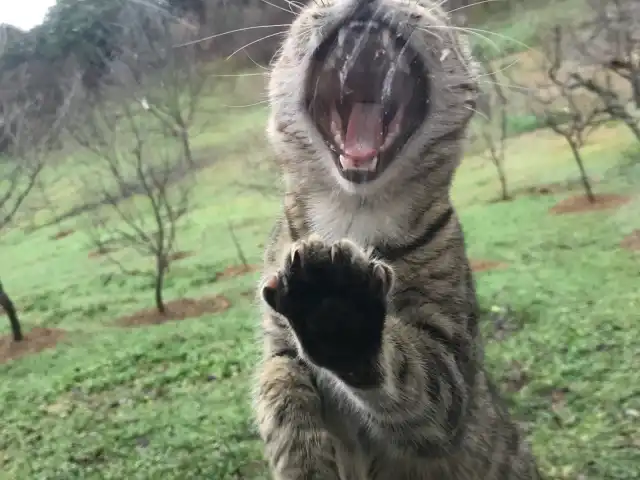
{"points": [[367, 92]]}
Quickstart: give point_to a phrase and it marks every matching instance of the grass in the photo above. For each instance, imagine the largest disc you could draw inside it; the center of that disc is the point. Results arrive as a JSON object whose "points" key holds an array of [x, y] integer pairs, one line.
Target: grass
{"points": [[519, 124], [172, 401]]}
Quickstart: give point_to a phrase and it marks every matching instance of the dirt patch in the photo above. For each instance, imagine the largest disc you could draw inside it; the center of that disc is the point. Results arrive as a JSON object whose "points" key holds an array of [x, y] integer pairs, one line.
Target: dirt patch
{"points": [[483, 265], [248, 294], [35, 341], [547, 189], [580, 203], [236, 270], [179, 309], [62, 234], [247, 222], [552, 188], [100, 253], [631, 241], [179, 255]]}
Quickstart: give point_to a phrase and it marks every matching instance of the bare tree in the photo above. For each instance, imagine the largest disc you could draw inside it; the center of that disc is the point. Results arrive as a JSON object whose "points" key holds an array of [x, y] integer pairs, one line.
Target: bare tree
{"points": [[607, 46], [141, 178], [24, 159], [169, 81], [494, 130], [26, 139], [138, 130], [620, 21], [239, 250], [8, 306], [570, 112]]}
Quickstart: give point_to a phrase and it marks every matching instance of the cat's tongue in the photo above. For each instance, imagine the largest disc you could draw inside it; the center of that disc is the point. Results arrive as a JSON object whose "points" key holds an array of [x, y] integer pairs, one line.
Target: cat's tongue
{"points": [[364, 136]]}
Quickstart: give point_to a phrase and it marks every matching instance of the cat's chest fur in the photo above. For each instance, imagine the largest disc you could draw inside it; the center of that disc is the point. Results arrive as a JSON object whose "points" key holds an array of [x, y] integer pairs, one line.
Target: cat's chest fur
{"points": [[334, 218]]}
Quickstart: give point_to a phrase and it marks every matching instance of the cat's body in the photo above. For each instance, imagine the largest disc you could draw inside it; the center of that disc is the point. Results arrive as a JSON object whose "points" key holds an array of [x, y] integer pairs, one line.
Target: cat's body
{"points": [[373, 365]]}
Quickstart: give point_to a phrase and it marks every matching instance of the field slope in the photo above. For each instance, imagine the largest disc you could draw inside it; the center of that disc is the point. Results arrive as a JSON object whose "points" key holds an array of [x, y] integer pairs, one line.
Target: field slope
{"points": [[171, 401]]}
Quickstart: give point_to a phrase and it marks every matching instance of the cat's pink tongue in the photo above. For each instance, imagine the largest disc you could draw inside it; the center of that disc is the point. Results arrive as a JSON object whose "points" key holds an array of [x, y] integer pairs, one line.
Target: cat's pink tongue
{"points": [[364, 135]]}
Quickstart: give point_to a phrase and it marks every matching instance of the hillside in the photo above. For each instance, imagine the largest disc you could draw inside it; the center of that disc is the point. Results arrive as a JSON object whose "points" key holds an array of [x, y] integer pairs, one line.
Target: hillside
{"points": [[106, 387]]}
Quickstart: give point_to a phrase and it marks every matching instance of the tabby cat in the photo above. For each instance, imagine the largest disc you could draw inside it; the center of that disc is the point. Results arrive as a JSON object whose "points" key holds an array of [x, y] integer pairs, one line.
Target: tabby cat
{"points": [[373, 364]]}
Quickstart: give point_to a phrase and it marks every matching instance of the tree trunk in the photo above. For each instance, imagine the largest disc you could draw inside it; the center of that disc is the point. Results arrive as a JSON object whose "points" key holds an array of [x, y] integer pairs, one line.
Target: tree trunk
{"points": [[635, 87], [160, 272], [9, 308], [633, 126], [186, 146], [583, 172], [503, 180], [239, 251]]}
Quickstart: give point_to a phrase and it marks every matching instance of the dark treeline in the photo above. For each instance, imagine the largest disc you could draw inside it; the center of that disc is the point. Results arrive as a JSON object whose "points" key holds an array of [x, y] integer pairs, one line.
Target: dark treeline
{"points": [[85, 36]]}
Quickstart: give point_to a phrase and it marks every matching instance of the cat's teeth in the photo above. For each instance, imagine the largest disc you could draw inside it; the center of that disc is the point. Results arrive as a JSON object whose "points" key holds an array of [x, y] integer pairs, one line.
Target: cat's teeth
{"points": [[348, 164]]}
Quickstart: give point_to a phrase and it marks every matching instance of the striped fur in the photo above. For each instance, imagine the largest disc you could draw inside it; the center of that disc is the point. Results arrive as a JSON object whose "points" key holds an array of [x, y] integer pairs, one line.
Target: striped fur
{"points": [[373, 364]]}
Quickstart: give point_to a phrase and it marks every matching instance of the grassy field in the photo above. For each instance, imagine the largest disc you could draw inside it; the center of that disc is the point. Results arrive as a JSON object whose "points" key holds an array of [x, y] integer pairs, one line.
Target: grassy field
{"points": [[171, 401]]}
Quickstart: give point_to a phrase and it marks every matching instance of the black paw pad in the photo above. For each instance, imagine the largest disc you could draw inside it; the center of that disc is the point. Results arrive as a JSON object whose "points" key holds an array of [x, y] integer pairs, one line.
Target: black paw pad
{"points": [[334, 298]]}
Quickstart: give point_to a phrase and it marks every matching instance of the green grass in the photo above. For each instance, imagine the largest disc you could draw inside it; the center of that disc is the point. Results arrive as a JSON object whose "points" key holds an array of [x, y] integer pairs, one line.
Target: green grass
{"points": [[172, 401], [519, 124]]}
